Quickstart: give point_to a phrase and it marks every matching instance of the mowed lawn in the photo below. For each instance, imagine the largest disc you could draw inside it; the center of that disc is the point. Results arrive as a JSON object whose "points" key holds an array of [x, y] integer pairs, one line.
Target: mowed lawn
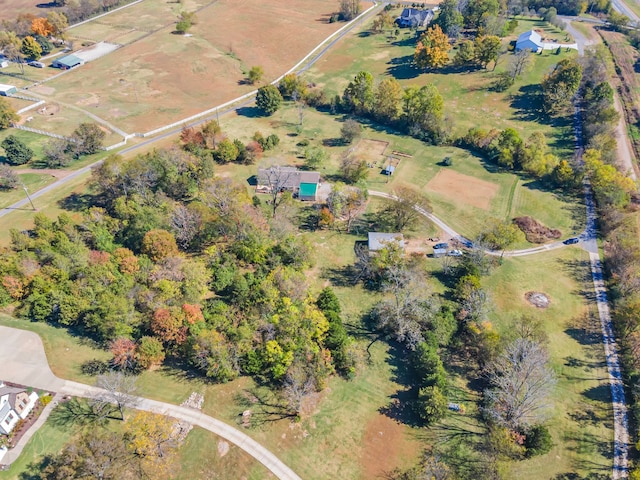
{"points": [[580, 417], [163, 78], [465, 195], [203, 455]]}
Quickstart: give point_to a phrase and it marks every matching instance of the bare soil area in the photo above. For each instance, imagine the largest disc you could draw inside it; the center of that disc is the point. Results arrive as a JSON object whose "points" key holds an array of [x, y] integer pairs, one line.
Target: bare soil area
{"points": [[385, 447], [462, 188], [628, 84], [537, 299], [164, 77], [10, 9], [534, 231]]}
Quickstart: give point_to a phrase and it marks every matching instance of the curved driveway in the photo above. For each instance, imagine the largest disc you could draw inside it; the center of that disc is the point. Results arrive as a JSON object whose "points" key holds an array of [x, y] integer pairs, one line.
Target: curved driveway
{"points": [[24, 361]]}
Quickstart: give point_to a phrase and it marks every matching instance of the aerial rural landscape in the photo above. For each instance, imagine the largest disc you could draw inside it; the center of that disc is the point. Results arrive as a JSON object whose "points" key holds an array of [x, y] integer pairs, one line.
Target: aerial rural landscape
{"points": [[319, 239]]}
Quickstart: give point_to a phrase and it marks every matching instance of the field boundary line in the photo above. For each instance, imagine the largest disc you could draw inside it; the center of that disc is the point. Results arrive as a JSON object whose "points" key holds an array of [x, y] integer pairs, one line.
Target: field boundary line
{"points": [[31, 107], [330, 38], [104, 14]]}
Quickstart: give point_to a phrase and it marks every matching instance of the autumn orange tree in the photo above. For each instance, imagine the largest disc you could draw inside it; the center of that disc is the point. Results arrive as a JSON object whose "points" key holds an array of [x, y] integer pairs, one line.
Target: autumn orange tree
{"points": [[124, 353], [432, 49], [41, 26]]}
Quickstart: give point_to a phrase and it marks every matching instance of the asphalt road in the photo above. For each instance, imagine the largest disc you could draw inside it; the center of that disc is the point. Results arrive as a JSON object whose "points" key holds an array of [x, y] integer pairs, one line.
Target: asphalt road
{"points": [[24, 361], [621, 7], [22, 204]]}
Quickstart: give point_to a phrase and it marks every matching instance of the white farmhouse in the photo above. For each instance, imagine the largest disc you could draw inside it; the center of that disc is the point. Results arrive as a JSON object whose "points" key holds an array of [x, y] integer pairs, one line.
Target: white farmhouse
{"points": [[15, 405]]}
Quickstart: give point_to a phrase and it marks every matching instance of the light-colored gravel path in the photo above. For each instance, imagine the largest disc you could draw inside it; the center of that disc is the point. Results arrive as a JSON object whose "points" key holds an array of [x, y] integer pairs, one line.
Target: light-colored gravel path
{"points": [[23, 361]]}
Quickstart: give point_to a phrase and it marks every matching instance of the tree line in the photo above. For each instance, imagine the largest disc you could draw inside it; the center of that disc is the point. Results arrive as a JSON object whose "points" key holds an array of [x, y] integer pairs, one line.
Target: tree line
{"points": [[173, 262]]}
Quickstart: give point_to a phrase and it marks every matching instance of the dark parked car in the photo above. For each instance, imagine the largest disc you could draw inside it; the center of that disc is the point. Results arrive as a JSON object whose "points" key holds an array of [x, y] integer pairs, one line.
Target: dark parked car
{"points": [[439, 246], [571, 241]]}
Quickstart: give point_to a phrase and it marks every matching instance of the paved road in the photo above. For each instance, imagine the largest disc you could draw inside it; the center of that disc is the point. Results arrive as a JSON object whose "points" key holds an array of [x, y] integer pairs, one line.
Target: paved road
{"points": [[452, 234], [59, 183], [620, 411], [24, 361], [621, 7]]}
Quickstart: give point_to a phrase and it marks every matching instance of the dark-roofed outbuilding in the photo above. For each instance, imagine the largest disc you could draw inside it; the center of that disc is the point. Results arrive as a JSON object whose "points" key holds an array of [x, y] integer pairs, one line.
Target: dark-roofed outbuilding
{"points": [[67, 62]]}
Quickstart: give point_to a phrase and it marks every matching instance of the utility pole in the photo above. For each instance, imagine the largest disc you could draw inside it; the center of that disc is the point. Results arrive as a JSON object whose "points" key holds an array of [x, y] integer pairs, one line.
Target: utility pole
{"points": [[29, 197]]}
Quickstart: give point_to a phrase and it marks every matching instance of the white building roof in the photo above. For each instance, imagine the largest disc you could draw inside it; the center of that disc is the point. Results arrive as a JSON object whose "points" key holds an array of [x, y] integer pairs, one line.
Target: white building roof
{"points": [[6, 88], [531, 35], [378, 240]]}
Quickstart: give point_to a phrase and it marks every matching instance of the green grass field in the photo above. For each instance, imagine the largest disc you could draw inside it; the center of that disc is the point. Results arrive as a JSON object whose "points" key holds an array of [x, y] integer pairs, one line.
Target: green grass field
{"points": [[197, 458], [468, 100]]}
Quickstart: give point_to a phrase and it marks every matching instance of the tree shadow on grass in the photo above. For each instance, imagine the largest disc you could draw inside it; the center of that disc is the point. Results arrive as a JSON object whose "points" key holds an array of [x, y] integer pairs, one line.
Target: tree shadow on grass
{"points": [[527, 103], [265, 406], [250, 112], [401, 404], [600, 393], [80, 412], [403, 68], [77, 202]]}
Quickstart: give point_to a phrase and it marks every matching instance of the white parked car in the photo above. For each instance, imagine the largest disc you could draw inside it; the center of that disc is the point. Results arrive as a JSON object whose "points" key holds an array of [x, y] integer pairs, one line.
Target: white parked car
{"points": [[454, 253]]}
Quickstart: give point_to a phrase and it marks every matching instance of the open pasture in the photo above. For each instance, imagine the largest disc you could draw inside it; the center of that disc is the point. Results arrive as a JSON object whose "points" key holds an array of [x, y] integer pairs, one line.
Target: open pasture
{"points": [[464, 188], [12, 8], [164, 77]]}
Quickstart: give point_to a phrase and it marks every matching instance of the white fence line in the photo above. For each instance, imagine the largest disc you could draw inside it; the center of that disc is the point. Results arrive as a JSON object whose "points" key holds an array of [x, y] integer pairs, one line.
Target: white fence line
{"points": [[30, 107], [253, 92], [103, 14], [42, 132]]}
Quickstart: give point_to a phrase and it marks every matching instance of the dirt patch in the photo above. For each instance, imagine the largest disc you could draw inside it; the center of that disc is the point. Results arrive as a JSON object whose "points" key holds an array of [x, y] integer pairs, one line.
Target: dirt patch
{"points": [[534, 231], [371, 150], [538, 299], [463, 188], [627, 82], [49, 109], [385, 447]]}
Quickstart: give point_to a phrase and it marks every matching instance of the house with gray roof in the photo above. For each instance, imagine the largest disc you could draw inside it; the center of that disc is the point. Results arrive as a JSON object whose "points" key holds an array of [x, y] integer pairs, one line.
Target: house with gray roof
{"points": [[15, 405], [414, 18], [301, 184]]}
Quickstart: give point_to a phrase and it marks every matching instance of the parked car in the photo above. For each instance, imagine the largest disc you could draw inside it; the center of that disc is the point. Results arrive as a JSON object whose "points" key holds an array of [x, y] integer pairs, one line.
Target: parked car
{"points": [[571, 241], [33, 63], [454, 253], [440, 246]]}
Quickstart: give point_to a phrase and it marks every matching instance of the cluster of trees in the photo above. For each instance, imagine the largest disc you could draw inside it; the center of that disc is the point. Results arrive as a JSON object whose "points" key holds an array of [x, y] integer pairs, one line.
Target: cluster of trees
{"points": [[419, 111], [8, 114], [509, 150], [145, 448], [86, 140], [560, 85], [209, 143], [237, 304], [30, 36], [599, 115]]}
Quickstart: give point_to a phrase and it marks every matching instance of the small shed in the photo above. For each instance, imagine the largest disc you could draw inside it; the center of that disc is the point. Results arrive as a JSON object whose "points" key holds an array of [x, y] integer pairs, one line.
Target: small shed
{"points": [[308, 191], [67, 62], [378, 240], [7, 90], [439, 252], [389, 169], [530, 40]]}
